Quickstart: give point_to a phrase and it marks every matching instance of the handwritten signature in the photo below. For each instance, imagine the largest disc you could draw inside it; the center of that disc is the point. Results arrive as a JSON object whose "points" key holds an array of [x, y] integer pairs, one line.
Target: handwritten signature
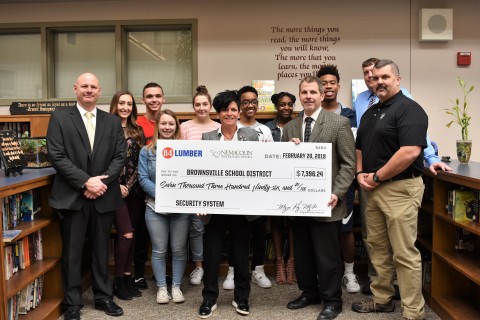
{"points": [[297, 207]]}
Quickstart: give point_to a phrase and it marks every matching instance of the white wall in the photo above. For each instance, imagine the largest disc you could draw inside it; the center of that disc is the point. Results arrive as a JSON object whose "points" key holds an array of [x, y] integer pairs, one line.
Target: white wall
{"points": [[234, 43]]}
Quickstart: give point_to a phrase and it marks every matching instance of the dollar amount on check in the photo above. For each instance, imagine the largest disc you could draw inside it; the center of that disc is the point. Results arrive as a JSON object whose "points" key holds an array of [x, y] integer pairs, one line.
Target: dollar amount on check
{"points": [[243, 177]]}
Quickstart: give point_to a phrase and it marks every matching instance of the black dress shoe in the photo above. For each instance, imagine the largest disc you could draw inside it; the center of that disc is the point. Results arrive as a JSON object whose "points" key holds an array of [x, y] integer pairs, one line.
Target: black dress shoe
{"points": [[329, 312], [206, 309], [109, 307], [72, 313], [301, 302], [241, 306]]}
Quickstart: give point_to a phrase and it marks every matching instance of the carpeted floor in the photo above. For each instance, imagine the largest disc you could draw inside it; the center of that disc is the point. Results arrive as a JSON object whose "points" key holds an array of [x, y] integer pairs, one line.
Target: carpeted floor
{"points": [[265, 304]]}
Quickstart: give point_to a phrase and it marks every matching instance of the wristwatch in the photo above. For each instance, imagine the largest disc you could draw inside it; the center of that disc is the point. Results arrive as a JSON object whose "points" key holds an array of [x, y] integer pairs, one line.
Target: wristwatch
{"points": [[376, 178]]}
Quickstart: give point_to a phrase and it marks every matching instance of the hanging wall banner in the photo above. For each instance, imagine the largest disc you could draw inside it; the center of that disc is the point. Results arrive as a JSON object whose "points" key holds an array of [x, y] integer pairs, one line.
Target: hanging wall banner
{"points": [[38, 107]]}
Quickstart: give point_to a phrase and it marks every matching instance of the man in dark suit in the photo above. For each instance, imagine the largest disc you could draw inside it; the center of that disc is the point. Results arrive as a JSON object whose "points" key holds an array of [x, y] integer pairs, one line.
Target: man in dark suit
{"points": [[318, 261], [86, 146]]}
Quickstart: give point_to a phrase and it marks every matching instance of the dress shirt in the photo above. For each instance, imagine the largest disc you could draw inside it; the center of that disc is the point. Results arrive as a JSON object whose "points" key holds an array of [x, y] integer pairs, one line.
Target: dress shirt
{"points": [[84, 118]]}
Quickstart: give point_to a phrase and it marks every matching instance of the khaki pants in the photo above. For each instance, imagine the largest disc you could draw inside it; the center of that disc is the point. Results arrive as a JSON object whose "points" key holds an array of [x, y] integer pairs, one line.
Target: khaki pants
{"points": [[391, 221]]}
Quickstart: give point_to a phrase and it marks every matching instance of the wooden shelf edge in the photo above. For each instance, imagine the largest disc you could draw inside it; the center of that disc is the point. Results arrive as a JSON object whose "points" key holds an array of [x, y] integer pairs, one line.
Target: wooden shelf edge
{"points": [[455, 307], [473, 227], [465, 263], [23, 277], [31, 179], [29, 228], [47, 309]]}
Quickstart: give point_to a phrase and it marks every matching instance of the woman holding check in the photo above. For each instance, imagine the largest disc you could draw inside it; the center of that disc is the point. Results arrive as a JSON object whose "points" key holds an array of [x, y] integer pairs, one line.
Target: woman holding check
{"points": [[227, 104]]}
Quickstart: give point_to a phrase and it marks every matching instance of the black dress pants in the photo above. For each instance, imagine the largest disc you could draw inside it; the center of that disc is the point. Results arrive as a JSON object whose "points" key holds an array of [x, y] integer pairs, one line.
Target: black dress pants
{"points": [[75, 227], [212, 249], [318, 261]]}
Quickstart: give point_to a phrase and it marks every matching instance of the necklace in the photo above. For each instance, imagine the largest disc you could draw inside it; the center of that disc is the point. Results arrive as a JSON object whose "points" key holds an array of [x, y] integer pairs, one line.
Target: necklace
{"points": [[225, 137]]}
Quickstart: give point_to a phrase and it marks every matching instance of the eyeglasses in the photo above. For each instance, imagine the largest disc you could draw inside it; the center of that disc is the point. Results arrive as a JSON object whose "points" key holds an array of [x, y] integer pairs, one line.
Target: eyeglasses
{"points": [[284, 104], [246, 103]]}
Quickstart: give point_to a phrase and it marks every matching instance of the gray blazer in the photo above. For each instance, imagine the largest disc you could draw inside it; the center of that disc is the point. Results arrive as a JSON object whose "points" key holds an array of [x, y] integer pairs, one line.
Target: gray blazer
{"points": [[335, 129], [243, 134]]}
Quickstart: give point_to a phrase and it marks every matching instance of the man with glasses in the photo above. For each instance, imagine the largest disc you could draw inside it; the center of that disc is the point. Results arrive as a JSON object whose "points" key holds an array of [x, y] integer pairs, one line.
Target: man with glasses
{"points": [[248, 96]]}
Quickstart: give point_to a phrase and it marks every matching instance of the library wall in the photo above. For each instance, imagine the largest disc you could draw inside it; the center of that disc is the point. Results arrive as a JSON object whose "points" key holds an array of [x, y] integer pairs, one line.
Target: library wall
{"points": [[283, 40]]}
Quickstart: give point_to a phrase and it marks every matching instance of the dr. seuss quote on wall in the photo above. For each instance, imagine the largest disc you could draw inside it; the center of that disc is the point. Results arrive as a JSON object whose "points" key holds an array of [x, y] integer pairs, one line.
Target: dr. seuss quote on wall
{"points": [[302, 50]]}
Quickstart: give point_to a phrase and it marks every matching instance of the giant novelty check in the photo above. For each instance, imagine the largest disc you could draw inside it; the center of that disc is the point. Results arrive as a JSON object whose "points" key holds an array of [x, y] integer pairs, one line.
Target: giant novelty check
{"points": [[243, 177]]}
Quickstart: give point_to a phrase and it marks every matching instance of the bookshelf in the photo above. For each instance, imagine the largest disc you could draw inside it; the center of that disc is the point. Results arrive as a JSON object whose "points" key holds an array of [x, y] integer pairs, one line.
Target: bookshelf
{"points": [[49, 267], [37, 124], [455, 289]]}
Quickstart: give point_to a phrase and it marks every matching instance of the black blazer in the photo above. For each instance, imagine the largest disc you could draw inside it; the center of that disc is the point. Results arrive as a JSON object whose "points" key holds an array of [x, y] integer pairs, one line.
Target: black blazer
{"points": [[70, 154]]}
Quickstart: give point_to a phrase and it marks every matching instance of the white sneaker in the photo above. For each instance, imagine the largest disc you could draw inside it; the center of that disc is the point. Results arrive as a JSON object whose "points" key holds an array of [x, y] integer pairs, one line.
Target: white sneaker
{"points": [[162, 295], [350, 283], [177, 295], [259, 277], [229, 283], [196, 276]]}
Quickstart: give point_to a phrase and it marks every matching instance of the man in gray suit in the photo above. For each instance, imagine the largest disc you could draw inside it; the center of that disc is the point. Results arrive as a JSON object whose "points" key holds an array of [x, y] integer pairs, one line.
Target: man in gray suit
{"points": [[87, 148], [318, 261]]}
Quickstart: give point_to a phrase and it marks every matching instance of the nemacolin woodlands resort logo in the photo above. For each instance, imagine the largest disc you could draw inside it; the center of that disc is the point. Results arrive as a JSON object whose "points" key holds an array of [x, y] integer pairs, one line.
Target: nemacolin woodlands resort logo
{"points": [[235, 154], [168, 153]]}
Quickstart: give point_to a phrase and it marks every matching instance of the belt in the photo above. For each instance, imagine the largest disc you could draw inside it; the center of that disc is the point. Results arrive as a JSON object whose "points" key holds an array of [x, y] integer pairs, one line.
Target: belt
{"points": [[403, 176]]}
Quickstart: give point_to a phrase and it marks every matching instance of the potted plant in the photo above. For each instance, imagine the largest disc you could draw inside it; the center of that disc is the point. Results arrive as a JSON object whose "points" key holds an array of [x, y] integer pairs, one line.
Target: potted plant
{"points": [[460, 114]]}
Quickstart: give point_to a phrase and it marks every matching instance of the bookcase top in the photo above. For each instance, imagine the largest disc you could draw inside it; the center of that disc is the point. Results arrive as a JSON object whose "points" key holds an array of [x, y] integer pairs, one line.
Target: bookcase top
{"points": [[466, 174], [29, 175]]}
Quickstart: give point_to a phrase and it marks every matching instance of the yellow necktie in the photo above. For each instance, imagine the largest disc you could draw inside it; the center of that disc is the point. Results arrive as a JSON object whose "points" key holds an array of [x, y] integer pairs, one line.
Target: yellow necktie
{"points": [[90, 128]]}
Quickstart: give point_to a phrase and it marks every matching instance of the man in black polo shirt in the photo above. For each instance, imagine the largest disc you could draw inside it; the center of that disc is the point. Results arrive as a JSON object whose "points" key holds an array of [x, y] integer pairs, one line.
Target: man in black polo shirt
{"points": [[389, 146]]}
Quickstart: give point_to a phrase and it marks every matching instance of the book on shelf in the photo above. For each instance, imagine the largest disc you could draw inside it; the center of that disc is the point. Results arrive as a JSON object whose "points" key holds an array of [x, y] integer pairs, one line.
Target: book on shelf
{"points": [[12, 307], [464, 240], [22, 253], [10, 235], [19, 207], [475, 206], [26, 206], [38, 245], [449, 205], [463, 205], [23, 301], [7, 262], [30, 296]]}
